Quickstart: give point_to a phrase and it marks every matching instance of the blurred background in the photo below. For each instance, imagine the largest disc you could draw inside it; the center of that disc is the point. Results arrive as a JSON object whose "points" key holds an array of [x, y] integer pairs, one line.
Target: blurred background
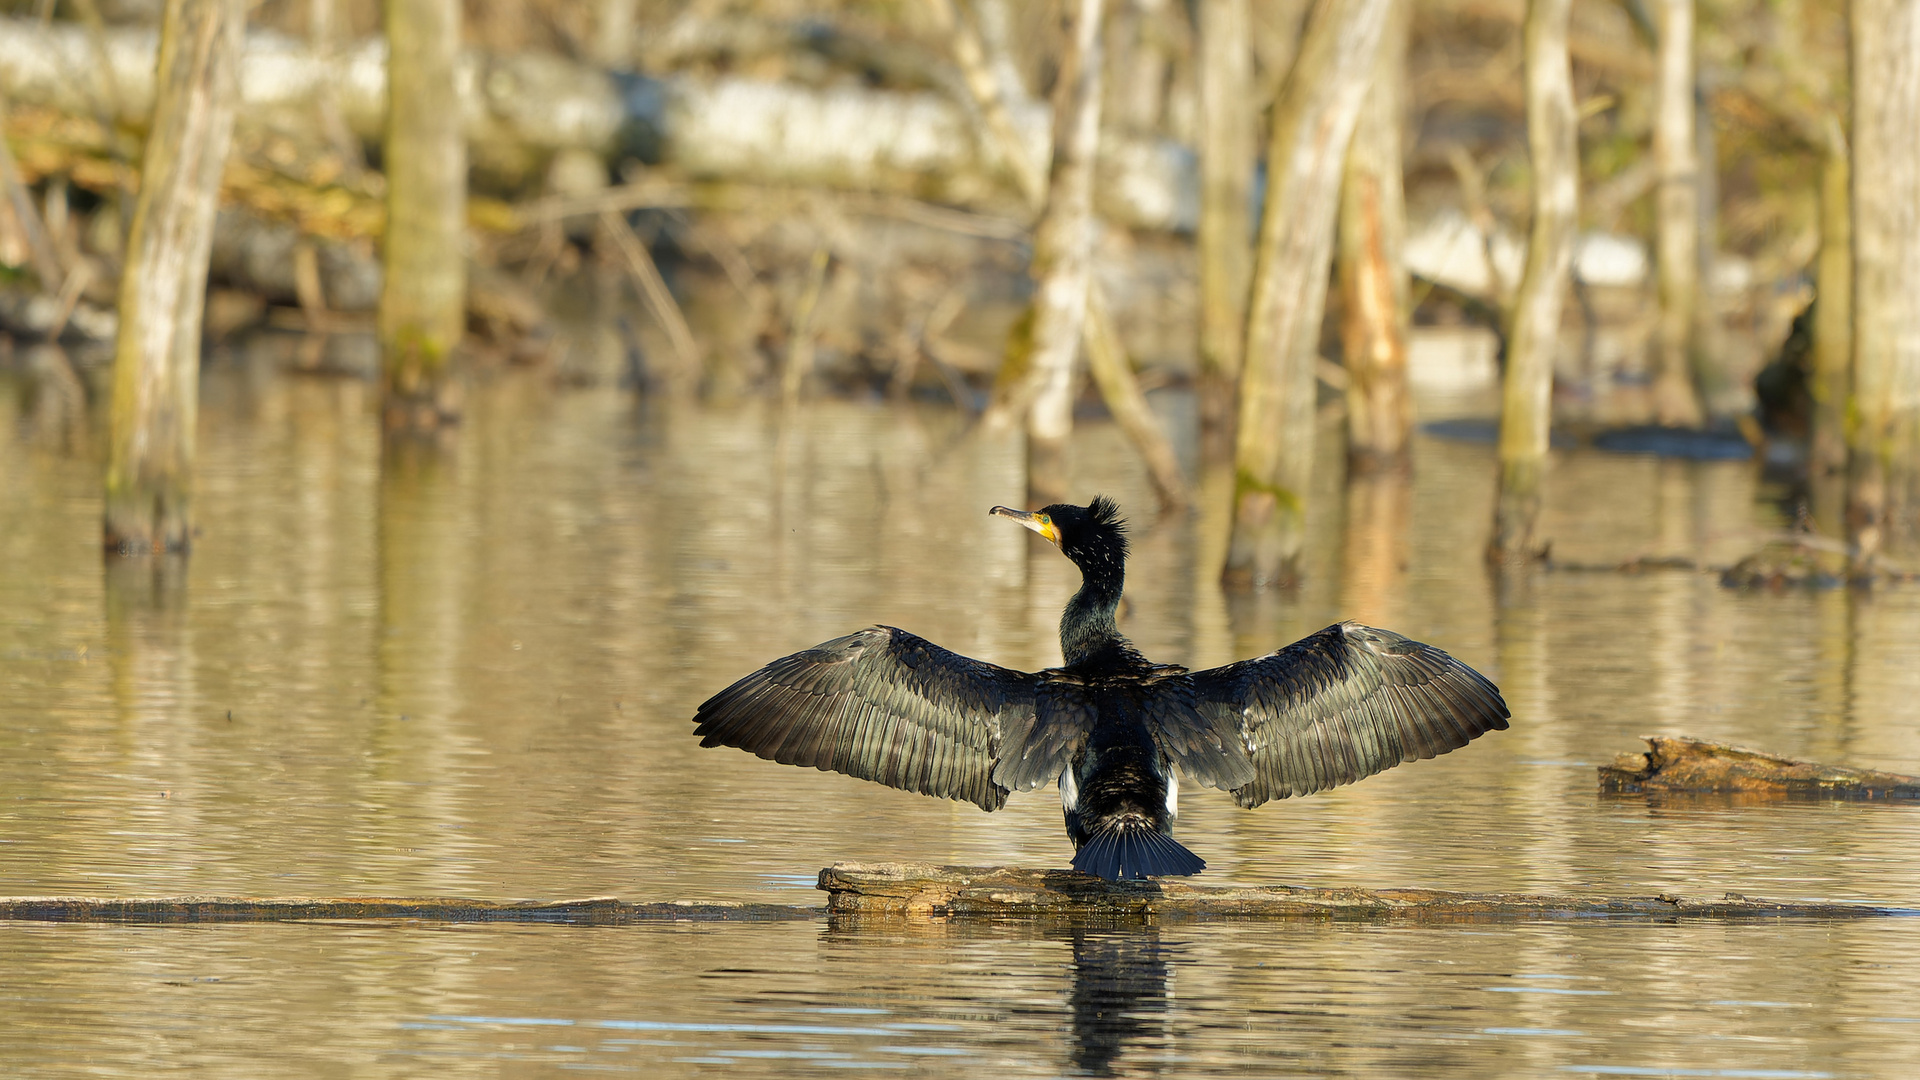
{"points": [[742, 143], [461, 394]]}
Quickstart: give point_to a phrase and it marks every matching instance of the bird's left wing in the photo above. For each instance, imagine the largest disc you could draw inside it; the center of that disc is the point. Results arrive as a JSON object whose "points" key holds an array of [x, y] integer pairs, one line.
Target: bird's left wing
{"points": [[1343, 704], [882, 705]]}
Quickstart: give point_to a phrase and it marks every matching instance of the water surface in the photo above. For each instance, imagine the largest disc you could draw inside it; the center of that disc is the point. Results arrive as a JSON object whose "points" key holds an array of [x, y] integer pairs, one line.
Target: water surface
{"points": [[470, 672]]}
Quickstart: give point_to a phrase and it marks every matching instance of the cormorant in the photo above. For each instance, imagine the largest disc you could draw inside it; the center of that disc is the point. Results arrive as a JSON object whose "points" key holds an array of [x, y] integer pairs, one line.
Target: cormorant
{"points": [[1116, 730]]}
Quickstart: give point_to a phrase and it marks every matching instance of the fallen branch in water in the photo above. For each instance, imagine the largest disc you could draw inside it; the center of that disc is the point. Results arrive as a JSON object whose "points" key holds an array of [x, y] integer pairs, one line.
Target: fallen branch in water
{"points": [[1681, 764], [897, 889]]}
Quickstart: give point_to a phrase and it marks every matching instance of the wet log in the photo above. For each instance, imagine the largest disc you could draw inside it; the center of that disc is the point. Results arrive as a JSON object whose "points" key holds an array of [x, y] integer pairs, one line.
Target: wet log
{"points": [[521, 110], [599, 911], [1682, 764], [915, 889]]}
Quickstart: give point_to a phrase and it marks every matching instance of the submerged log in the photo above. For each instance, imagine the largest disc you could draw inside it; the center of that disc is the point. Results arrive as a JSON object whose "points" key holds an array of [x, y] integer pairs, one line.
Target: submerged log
{"points": [[895, 889], [892, 890], [1681, 764], [599, 911]]}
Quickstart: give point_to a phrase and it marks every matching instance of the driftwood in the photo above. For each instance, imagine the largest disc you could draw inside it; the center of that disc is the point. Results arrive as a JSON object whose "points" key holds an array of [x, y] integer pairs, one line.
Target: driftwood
{"points": [[896, 889], [600, 911], [1680, 764], [521, 110]]}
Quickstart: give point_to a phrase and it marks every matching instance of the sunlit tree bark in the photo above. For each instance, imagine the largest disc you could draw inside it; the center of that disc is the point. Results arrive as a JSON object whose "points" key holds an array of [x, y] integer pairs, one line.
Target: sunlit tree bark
{"points": [[1678, 210], [1884, 450], [1273, 445], [1227, 121], [156, 363], [1372, 266], [1526, 407], [423, 302]]}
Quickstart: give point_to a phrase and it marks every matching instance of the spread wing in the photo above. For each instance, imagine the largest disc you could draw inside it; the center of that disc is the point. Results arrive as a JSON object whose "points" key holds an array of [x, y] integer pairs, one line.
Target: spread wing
{"points": [[881, 705], [1343, 704]]}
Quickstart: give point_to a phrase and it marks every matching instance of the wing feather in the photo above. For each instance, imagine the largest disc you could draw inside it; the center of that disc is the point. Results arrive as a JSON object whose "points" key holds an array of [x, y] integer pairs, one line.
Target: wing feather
{"points": [[1341, 705], [881, 705]]}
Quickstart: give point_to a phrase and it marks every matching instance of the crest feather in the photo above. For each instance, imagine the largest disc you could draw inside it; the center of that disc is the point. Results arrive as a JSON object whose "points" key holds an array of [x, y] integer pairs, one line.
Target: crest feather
{"points": [[1105, 514]]}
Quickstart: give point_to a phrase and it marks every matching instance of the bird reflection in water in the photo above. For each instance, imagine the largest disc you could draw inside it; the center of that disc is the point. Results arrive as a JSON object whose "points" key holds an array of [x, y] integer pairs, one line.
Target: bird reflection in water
{"points": [[1119, 997]]}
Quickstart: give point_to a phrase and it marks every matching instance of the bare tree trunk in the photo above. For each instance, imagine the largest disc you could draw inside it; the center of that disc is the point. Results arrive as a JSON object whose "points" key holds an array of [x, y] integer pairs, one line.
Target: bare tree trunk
{"points": [[1711, 379], [156, 363], [613, 33], [1273, 446], [1227, 121], [323, 34], [970, 54], [1674, 398], [1832, 334], [1062, 251], [994, 95], [1372, 265], [423, 301], [1526, 407], [1884, 452]]}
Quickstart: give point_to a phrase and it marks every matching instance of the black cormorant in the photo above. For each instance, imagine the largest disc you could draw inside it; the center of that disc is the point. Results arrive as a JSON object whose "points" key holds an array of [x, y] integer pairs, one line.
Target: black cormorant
{"points": [[1113, 728]]}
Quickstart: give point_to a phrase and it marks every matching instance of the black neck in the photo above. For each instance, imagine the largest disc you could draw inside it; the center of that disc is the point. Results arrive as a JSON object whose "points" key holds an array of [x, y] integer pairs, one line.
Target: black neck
{"points": [[1087, 627]]}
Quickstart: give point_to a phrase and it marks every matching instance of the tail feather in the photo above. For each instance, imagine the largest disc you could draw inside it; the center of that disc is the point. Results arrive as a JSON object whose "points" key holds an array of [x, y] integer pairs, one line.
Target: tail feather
{"points": [[1128, 851]]}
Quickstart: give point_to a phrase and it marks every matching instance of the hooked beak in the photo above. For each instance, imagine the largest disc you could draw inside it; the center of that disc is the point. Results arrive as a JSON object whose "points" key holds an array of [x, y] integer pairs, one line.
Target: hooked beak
{"points": [[1034, 520]]}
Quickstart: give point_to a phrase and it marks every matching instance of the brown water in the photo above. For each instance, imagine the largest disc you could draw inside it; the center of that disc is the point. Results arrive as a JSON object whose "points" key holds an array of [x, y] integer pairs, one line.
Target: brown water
{"points": [[471, 674]]}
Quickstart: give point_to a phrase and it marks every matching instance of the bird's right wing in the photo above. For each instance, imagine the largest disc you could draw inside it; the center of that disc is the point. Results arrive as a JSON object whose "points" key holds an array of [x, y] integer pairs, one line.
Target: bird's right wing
{"points": [[1343, 704], [881, 705]]}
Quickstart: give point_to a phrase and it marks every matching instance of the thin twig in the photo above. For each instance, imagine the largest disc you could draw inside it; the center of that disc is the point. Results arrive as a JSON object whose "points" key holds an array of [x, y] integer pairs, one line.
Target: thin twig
{"points": [[800, 338], [1107, 359], [40, 250], [77, 281], [653, 289]]}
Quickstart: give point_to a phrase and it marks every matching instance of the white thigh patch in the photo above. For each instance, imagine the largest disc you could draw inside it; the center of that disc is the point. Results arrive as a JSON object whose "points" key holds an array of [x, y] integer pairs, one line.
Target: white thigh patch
{"points": [[1173, 794], [1069, 791]]}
